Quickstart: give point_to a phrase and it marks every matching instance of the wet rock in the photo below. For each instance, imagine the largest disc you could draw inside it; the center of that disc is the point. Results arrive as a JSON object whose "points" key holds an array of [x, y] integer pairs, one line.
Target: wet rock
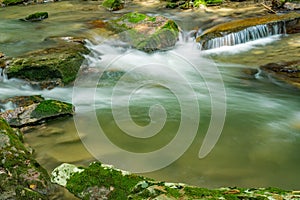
{"points": [[113, 5], [36, 17], [21, 177], [47, 68], [288, 72], [144, 32], [30, 110], [292, 6], [273, 24]]}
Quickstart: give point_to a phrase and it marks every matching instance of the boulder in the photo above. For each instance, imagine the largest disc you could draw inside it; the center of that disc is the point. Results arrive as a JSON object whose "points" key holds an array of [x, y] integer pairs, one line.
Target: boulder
{"points": [[30, 110], [232, 32], [288, 72], [47, 68], [144, 32], [21, 177]]}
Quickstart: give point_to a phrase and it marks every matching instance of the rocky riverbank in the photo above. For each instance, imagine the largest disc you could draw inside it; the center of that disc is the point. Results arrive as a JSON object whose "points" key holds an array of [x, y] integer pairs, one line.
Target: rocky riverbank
{"points": [[23, 178], [99, 181]]}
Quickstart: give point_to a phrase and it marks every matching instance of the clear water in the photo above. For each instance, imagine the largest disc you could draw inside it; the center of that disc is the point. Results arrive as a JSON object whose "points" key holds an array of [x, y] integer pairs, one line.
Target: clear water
{"points": [[260, 140]]}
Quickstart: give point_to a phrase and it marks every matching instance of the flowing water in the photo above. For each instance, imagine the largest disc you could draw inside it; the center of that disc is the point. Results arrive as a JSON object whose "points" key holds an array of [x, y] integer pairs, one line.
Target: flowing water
{"points": [[260, 139]]}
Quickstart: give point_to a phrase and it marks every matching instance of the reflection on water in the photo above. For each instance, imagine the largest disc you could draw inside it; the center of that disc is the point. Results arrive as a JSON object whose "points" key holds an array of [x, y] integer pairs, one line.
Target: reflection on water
{"points": [[260, 141]]}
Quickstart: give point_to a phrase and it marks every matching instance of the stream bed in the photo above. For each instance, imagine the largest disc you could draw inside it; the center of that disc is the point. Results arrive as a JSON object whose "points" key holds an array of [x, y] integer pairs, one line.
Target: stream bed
{"points": [[260, 137]]}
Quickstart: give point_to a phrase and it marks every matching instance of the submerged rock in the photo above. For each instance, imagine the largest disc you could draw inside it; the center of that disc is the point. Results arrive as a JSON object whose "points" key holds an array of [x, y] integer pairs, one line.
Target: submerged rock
{"points": [[240, 31], [288, 72], [50, 67], [100, 181], [21, 177], [144, 32], [29, 110]]}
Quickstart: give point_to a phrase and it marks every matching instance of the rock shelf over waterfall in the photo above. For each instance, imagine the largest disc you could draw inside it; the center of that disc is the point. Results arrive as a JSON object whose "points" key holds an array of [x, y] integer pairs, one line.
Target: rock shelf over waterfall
{"points": [[245, 30]]}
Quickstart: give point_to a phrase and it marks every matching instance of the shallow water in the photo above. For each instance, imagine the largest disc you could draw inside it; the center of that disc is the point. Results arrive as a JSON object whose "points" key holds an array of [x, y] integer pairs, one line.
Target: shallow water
{"points": [[260, 140]]}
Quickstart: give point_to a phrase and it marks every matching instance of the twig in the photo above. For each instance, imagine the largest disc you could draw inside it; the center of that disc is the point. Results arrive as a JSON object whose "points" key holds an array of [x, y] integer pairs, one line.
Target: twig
{"points": [[268, 8]]}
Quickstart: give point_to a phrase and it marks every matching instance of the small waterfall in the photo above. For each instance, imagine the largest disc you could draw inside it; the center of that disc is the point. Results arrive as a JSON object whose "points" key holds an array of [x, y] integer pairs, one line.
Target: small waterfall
{"points": [[3, 76], [245, 35]]}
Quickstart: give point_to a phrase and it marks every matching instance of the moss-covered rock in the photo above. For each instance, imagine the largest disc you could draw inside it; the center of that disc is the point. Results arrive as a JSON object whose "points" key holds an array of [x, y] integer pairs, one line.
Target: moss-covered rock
{"points": [[291, 23], [21, 177], [144, 32], [30, 110], [50, 67], [288, 72], [113, 4], [100, 181], [35, 17]]}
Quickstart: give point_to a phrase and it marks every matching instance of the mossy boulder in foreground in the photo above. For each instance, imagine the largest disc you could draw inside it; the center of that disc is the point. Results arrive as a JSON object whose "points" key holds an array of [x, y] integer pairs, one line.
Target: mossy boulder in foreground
{"points": [[21, 177], [144, 32], [30, 110], [50, 67], [95, 182], [100, 181]]}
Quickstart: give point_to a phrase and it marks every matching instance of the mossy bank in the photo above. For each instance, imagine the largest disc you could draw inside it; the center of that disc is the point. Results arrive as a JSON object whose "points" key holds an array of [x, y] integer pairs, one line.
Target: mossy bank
{"points": [[99, 181]]}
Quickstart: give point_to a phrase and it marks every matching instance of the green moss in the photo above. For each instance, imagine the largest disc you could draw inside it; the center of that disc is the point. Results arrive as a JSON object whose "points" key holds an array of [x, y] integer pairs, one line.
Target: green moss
{"points": [[275, 190], [49, 108], [134, 17], [37, 16], [173, 192], [23, 169], [26, 193], [169, 32], [171, 5], [113, 4], [57, 63], [171, 25], [144, 32], [96, 175], [213, 2], [200, 192]]}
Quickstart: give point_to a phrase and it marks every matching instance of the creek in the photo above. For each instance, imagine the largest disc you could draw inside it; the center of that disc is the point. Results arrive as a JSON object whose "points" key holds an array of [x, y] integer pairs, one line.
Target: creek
{"points": [[260, 139]]}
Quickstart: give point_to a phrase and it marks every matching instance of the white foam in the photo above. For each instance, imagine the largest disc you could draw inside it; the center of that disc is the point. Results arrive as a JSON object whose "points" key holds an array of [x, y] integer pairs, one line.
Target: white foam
{"points": [[242, 47]]}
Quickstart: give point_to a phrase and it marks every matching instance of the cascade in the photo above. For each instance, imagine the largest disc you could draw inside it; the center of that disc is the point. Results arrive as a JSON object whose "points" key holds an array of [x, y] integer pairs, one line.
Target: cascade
{"points": [[245, 35]]}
